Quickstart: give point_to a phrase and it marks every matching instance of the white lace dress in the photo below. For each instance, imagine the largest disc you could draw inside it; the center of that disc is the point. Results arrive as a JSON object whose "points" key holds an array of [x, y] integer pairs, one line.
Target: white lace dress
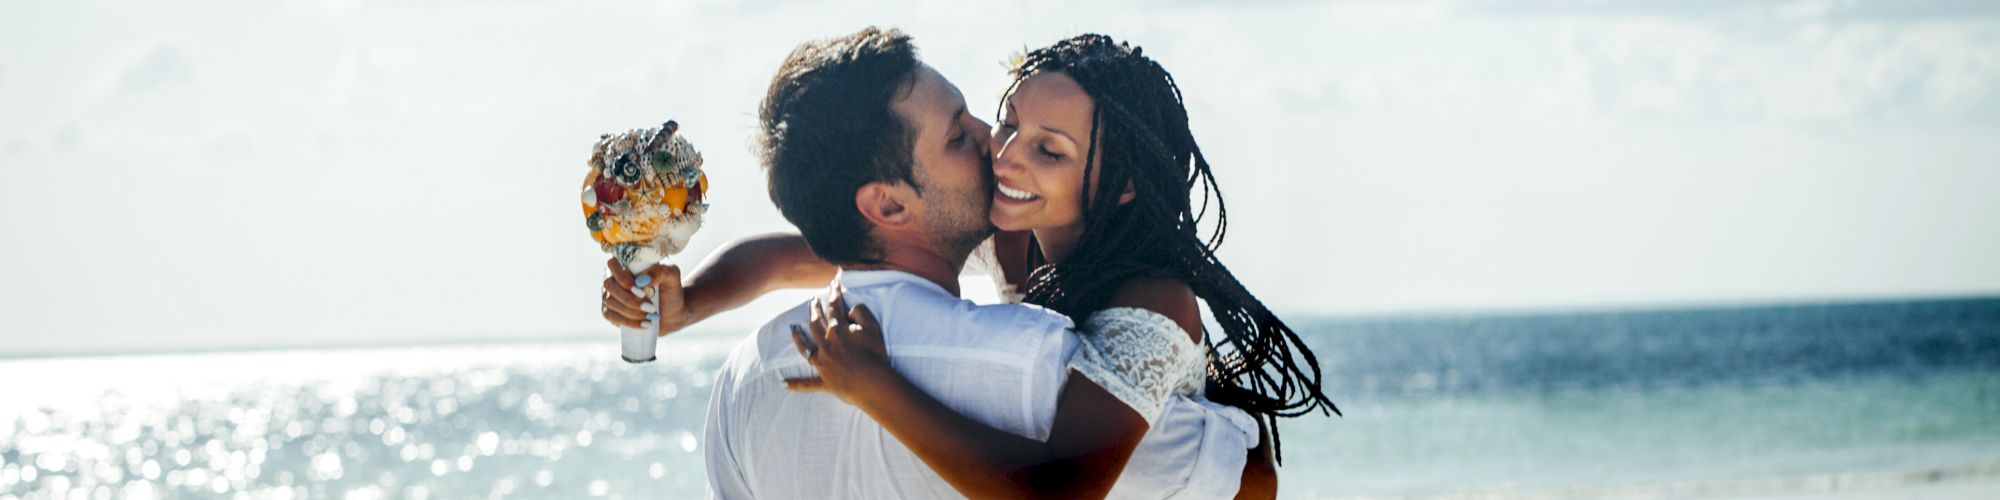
{"points": [[1193, 448]]}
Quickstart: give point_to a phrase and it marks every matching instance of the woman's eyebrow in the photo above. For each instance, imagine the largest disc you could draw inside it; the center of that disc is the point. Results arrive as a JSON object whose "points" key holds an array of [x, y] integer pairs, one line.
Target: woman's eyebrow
{"points": [[1017, 113], [1057, 131]]}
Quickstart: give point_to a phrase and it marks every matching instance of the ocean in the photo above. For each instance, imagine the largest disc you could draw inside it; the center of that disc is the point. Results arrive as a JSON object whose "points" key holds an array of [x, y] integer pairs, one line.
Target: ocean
{"points": [[1872, 400]]}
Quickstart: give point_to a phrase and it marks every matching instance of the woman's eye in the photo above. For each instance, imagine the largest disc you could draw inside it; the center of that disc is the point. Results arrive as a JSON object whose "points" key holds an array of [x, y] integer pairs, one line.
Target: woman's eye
{"points": [[1050, 154]]}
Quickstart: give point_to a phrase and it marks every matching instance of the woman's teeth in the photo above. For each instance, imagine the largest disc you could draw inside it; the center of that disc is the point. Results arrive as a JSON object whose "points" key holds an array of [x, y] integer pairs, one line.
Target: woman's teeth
{"points": [[1014, 193]]}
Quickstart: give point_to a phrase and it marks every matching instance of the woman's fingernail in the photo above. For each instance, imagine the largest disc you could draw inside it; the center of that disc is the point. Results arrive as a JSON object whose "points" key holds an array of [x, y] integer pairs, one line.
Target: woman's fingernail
{"points": [[644, 279], [638, 292], [648, 307], [651, 317], [646, 326]]}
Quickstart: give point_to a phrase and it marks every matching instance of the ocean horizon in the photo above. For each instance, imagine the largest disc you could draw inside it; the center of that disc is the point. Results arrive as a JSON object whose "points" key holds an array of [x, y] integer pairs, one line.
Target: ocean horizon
{"points": [[1868, 399]]}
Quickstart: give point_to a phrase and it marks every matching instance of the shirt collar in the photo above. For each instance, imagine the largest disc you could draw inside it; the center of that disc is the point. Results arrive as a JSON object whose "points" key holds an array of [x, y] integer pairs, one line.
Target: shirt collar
{"points": [[854, 278]]}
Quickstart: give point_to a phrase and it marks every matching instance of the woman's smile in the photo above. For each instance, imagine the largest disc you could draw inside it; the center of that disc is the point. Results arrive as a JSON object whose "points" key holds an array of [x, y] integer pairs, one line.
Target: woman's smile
{"points": [[1009, 194]]}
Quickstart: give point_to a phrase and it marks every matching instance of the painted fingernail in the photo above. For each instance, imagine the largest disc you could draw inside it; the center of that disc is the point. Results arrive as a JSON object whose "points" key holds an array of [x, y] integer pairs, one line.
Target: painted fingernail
{"points": [[648, 307], [640, 292], [651, 317], [644, 279]]}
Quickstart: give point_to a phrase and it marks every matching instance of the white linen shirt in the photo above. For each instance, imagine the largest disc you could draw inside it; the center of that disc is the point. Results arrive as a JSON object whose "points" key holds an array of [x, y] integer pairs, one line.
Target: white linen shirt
{"points": [[1002, 365]]}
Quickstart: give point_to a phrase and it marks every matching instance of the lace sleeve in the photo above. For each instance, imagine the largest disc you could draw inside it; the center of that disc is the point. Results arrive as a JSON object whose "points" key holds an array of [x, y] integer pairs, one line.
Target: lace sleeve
{"points": [[985, 262], [1139, 356]]}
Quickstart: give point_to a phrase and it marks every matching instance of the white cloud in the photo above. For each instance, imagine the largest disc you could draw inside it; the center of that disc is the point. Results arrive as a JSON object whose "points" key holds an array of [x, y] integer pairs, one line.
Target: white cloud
{"points": [[228, 137], [325, 8], [370, 77], [1789, 72], [146, 67], [1370, 12]]}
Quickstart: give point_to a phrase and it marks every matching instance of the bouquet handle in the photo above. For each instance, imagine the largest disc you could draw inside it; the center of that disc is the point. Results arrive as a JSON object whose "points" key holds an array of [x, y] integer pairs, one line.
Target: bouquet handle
{"points": [[638, 345]]}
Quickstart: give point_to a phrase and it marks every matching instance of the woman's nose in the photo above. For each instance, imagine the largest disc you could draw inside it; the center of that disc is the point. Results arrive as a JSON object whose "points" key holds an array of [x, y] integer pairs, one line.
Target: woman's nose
{"points": [[1001, 160]]}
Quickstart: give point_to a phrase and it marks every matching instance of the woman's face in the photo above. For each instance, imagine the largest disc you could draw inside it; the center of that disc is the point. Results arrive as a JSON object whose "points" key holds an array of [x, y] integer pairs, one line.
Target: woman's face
{"points": [[1038, 161]]}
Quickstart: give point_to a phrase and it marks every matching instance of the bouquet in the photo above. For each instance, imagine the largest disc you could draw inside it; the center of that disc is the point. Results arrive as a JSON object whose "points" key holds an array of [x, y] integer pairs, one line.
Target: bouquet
{"points": [[642, 200]]}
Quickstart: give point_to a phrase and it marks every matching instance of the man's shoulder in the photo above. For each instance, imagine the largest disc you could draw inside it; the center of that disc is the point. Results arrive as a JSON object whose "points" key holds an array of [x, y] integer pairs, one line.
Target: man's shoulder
{"points": [[912, 316], [906, 307], [770, 340]]}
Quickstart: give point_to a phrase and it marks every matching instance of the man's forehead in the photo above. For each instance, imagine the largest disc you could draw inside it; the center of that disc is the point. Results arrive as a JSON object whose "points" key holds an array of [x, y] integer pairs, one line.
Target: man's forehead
{"points": [[932, 99]]}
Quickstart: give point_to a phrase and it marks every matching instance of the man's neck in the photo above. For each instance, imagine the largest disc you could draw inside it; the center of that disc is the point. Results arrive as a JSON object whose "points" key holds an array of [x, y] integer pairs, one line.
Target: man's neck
{"points": [[923, 262]]}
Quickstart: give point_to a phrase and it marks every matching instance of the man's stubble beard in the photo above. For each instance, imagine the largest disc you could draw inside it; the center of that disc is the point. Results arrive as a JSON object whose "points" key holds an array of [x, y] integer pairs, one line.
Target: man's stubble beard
{"points": [[960, 222]]}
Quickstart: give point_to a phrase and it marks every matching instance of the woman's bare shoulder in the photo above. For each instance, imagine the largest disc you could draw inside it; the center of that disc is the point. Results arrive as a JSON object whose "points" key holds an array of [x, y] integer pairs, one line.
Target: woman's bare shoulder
{"points": [[1168, 296]]}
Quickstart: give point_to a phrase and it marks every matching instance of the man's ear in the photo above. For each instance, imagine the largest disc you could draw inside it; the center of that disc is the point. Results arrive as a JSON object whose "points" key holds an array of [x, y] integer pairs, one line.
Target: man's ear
{"points": [[883, 204]]}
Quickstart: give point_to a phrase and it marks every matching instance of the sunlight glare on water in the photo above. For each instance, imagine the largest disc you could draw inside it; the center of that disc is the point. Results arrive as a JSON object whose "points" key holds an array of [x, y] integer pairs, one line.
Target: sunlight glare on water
{"points": [[365, 423]]}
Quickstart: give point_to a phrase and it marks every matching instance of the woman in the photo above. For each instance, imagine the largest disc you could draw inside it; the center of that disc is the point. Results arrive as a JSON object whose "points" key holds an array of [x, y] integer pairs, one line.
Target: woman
{"points": [[1095, 165]]}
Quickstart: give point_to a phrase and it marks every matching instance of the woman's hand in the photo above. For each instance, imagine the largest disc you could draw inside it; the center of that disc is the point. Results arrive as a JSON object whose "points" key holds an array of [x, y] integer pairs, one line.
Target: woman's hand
{"points": [[627, 300], [846, 346]]}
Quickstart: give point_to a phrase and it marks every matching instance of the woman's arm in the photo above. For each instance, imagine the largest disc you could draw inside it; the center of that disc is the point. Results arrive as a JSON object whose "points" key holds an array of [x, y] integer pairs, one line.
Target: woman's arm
{"points": [[1092, 436], [1260, 472], [751, 267], [733, 275]]}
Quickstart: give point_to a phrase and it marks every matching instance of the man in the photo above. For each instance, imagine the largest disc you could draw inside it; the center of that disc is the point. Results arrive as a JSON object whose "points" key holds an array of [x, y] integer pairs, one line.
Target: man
{"points": [[873, 156]]}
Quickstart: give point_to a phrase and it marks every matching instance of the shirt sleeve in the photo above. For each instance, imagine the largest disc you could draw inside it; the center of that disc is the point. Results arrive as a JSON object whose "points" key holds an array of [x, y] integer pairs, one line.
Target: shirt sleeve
{"points": [[1139, 356], [985, 263], [725, 472], [1051, 369]]}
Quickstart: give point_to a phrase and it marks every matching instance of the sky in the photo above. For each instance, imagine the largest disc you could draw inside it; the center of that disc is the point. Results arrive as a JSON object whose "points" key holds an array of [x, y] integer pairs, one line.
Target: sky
{"points": [[241, 174]]}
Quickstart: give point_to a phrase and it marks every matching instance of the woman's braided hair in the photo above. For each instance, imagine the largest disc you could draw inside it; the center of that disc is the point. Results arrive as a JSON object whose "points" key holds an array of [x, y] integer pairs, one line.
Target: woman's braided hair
{"points": [[1140, 127]]}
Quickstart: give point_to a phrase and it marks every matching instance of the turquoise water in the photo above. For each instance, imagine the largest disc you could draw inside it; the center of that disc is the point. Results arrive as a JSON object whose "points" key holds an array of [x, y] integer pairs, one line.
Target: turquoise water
{"points": [[1723, 402], [1708, 438], [1727, 402]]}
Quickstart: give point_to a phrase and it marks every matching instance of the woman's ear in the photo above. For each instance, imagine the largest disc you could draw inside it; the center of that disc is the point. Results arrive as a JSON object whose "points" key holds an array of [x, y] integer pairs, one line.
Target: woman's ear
{"points": [[882, 204], [1128, 195]]}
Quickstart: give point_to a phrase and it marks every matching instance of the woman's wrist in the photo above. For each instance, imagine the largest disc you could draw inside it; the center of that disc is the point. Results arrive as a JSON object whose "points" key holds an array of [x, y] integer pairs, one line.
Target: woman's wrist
{"points": [[695, 308], [881, 390]]}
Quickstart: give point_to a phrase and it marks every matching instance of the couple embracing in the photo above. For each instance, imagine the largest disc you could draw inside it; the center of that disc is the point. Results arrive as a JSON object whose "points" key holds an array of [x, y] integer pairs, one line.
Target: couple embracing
{"points": [[1096, 378]]}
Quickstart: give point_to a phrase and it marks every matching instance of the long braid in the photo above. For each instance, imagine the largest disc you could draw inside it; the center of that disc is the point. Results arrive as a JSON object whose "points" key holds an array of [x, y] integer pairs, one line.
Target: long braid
{"points": [[1140, 127]]}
